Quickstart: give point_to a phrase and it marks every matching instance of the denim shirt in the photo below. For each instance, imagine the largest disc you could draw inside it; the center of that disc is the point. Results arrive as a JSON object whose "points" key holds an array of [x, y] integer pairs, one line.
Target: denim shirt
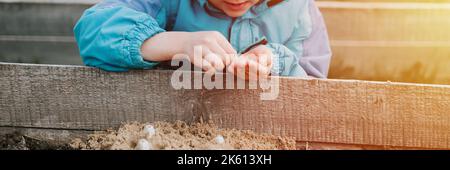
{"points": [[110, 34]]}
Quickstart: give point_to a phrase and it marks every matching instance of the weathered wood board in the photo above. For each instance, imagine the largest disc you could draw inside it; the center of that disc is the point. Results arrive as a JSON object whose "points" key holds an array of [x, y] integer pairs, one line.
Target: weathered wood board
{"points": [[407, 42], [85, 98], [322, 111]]}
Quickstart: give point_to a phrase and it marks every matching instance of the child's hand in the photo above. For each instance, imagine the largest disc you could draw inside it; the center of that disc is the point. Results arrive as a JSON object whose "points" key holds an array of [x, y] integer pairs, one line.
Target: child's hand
{"points": [[255, 64], [166, 45], [215, 53]]}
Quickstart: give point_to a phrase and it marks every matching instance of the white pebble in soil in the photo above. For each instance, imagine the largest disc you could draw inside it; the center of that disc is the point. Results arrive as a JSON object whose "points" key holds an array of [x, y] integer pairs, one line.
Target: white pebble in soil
{"points": [[219, 139], [149, 130], [143, 144]]}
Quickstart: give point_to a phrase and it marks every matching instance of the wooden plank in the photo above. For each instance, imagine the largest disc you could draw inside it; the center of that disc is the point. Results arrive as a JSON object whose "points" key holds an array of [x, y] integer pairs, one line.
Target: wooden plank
{"points": [[40, 19], [404, 42], [338, 146], [387, 21], [324, 111], [48, 135], [86, 98], [39, 52], [402, 64], [351, 112]]}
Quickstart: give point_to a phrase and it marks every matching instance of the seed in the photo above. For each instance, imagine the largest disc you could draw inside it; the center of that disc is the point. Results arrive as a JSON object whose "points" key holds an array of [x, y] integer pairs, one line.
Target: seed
{"points": [[149, 130], [219, 139], [143, 144]]}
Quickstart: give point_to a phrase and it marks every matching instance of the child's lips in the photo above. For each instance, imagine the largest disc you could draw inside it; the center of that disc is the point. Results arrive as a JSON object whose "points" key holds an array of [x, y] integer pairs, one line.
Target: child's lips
{"points": [[237, 6]]}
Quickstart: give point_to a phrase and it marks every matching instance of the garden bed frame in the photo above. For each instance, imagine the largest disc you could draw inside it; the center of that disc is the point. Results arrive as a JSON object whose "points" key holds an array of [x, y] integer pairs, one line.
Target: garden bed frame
{"points": [[60, 102]]}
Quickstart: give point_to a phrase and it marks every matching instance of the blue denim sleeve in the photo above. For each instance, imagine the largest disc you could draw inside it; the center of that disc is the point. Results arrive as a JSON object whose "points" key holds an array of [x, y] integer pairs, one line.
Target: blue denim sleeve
{"points": [[285, 62], [110, 34], [307, 53], [317, 53]]}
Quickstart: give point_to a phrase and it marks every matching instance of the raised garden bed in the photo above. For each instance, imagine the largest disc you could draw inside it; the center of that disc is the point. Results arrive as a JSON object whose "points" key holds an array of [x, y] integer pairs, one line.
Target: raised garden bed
{"points": [[61, 103]]}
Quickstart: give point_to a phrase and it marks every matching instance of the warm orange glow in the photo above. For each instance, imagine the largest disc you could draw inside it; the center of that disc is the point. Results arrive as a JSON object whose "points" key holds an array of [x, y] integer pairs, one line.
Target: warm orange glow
{"points": [[406, 42]]}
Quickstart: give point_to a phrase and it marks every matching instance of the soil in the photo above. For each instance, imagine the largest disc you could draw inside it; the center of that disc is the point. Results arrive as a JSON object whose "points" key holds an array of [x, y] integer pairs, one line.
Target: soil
{"points": [[167, 136], [181, 136], [18, 141]]}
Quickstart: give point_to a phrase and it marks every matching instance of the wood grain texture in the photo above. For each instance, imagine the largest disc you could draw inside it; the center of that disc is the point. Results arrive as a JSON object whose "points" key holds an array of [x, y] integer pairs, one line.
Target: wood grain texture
{"points": [[47, 135], [87, 98], [323, 111], [349, 112], [403, 42]]}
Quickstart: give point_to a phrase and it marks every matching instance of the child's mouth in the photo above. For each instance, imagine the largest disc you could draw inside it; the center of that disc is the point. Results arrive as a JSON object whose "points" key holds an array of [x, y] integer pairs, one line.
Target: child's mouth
{"points": [[237, 6]]}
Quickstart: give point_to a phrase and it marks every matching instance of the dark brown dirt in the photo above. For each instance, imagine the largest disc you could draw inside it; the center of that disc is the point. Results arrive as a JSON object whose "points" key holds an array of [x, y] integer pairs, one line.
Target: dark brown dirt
{"points": [[18, 141], [182, 136], [167, 136]]}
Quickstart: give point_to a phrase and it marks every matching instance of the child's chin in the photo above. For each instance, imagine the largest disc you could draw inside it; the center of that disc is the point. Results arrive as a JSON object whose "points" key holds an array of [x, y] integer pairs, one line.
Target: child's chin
{"points": [[235, 14]]}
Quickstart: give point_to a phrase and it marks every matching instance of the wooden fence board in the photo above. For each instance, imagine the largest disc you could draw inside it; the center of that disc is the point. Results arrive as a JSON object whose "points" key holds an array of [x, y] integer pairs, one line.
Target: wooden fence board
{"points": [[86, 98], [407, 42], [324, 111]]}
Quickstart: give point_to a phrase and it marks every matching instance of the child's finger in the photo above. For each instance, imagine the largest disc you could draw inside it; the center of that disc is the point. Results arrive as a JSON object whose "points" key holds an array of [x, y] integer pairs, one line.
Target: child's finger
{"points": [[261, 54], [214, 60], [238, 67], [223, 42], [262, 60], [241, 72], [217, 49], [250, 56], [235, 64], [270, 60], [207, 67], [231, 68], [253, 76], [240, 62], [196, 58], [233, 58], [259, 69], [261, 49], [265, 60], [252, 70]]}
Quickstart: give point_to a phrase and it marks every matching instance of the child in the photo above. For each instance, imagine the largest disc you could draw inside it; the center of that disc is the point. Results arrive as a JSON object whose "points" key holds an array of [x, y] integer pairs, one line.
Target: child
{"points": [[118, 35]]}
